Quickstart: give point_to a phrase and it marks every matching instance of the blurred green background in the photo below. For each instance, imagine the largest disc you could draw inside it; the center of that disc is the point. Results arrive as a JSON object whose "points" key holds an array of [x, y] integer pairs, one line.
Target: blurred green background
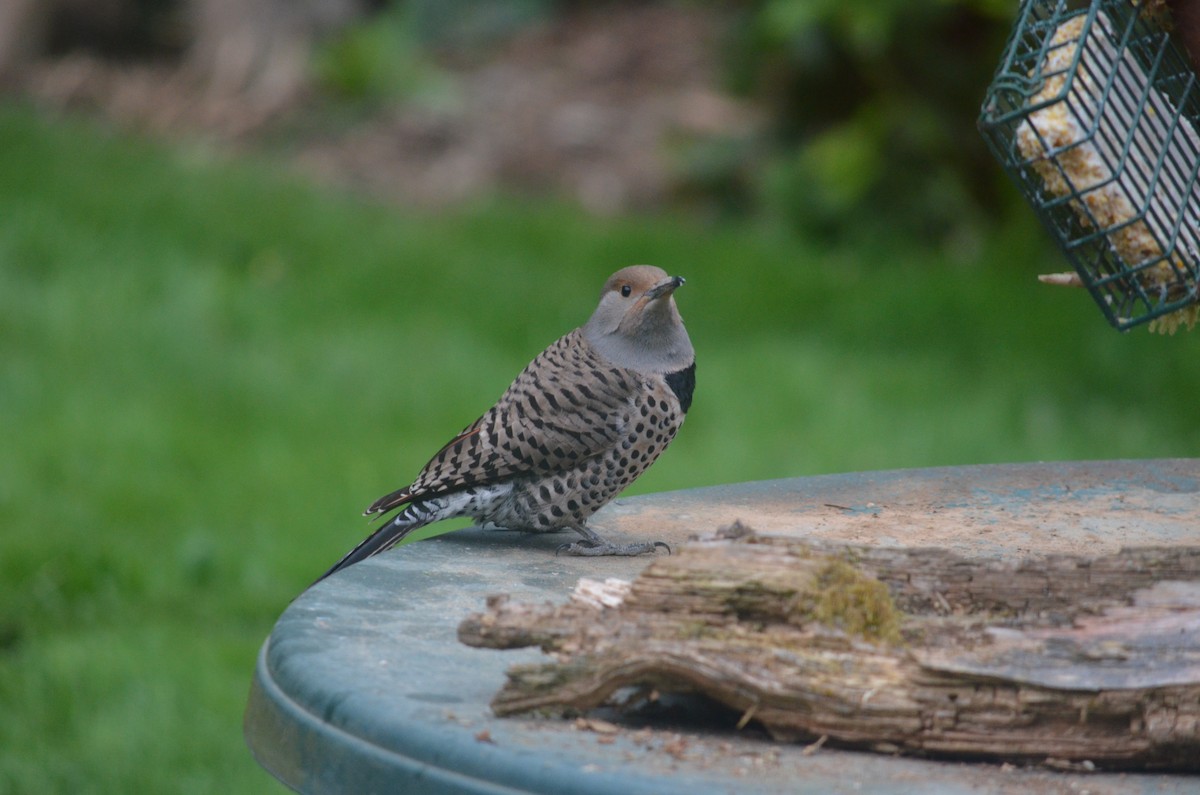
{"points": [[209, 365]]}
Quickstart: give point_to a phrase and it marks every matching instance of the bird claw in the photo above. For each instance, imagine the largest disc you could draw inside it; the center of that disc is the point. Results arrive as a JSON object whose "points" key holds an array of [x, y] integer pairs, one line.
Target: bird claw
{"points": [[594, 549]]}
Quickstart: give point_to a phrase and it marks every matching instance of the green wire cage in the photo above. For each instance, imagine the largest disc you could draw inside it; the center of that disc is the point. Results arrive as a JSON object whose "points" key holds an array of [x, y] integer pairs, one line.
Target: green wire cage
{"points": [[1094, 112]]}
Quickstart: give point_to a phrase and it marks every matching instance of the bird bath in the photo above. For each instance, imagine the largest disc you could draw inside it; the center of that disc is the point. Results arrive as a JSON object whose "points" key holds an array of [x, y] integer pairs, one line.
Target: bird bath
{"points": [[364, 686]]}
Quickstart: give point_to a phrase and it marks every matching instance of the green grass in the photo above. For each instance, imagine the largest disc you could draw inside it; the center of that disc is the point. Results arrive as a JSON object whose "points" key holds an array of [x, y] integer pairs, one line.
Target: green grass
{"points": [[207, 369]]}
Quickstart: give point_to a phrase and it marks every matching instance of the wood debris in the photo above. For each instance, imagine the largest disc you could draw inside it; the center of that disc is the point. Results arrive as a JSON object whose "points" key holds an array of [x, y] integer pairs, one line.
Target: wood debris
{"points": [[1086, 661]]}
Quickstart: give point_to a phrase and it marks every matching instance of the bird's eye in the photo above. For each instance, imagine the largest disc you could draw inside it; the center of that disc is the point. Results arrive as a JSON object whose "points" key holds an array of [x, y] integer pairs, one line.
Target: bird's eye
{"points": [[626, 290]]}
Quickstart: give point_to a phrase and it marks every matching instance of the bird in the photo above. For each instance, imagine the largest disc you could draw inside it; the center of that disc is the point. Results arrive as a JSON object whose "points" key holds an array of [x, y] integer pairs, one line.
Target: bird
{"points": [[580, 423]]}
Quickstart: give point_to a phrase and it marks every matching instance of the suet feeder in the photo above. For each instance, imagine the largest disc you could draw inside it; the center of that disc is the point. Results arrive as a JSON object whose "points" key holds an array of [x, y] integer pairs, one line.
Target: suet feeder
{"points": [[1094, 113]]}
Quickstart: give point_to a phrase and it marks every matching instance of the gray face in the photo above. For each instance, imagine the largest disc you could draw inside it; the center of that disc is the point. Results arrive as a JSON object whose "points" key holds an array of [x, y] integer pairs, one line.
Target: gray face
{"points": [[637, 324]]}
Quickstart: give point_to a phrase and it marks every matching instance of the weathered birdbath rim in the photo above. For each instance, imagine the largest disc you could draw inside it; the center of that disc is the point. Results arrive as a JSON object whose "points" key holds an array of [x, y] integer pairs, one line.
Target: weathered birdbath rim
{"points": [[363, 686], [994, 510]]}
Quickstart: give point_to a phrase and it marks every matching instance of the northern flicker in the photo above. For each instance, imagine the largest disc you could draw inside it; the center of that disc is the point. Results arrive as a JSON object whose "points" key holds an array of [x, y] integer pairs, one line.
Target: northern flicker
{"points": [[578, 425]]}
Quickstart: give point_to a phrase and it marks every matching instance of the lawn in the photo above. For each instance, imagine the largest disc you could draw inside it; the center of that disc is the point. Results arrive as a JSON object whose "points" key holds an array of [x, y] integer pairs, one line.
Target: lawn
{"points": [[208, 368]]}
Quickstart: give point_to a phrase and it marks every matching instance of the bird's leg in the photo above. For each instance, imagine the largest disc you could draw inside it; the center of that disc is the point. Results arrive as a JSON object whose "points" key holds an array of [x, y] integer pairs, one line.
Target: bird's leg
{"points": [[593, 545]]}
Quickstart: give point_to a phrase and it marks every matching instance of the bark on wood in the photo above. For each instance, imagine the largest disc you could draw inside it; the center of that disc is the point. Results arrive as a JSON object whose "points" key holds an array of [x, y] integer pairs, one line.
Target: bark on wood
{"points": [[919, 651]]}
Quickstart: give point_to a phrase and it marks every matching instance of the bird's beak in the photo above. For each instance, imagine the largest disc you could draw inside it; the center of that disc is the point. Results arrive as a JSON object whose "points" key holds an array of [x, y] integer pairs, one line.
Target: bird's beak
{"points": [[665, 287]]}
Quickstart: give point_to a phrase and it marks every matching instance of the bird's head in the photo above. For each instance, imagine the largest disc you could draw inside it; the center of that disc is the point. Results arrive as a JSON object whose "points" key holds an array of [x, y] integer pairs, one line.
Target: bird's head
{"points": [[637, 324]]}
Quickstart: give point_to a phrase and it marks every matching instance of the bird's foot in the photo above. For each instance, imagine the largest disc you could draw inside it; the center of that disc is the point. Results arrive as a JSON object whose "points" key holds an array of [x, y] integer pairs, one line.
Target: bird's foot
{"points": [[592, 549]]}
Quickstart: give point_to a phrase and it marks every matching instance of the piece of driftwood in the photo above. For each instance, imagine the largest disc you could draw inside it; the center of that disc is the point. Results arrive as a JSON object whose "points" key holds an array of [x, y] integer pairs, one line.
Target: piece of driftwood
{"points": [[1092, 661]]}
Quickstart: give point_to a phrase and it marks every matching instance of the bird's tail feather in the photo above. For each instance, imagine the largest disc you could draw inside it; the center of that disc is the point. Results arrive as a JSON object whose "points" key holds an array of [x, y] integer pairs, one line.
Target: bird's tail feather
{"points": [[389, 501], [415, 516]]}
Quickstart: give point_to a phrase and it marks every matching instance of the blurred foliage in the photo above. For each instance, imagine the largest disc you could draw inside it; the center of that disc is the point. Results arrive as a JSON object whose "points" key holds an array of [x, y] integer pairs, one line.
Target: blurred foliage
{"points": [[870, 107], [380, 59], [463, 25], [394, 54], [872, 110]]}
